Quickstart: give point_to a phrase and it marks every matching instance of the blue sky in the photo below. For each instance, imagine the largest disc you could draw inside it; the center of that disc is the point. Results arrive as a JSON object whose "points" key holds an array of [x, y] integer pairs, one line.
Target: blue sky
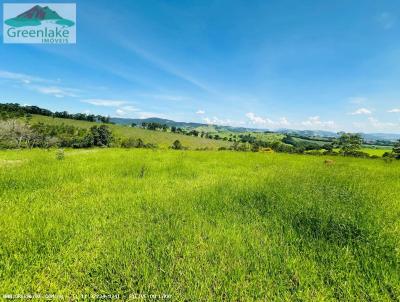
{"points": [[329, 65]]}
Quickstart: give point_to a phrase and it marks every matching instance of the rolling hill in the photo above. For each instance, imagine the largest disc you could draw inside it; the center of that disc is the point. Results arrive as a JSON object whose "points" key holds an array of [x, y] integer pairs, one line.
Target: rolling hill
{"points": [[162, 139]]}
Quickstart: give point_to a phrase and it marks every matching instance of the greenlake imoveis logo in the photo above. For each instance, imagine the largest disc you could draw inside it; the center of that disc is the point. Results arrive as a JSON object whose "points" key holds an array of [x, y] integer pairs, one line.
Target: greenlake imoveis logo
{"points": [[44, 23]]}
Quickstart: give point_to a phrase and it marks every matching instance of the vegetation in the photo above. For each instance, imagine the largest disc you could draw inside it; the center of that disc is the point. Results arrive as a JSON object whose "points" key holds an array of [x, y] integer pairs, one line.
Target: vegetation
{"points": [[177, 145], [154, 138], [17, 134], [82, 132], [10, 110], [210, 226], [396, 150]]}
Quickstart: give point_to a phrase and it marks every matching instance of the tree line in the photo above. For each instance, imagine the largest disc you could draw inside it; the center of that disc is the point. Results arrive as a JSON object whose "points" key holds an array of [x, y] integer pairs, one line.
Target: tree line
{"points": [[15, 110], [17, 134]]}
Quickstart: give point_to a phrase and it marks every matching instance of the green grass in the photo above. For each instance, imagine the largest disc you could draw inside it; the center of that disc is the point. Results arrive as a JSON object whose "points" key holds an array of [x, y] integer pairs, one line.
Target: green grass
{"points": [[200, 226], [373, 151], [162, 139]]}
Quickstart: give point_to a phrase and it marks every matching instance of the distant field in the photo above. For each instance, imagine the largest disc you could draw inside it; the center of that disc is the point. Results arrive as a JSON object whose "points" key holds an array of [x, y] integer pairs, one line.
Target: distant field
{"points": [[199, 226], [162, 139], [378, 152]]}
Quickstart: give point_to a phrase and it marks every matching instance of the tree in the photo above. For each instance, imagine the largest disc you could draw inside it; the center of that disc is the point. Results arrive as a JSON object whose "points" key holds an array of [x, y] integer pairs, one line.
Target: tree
{"points": [[102, 135], [15, 132], [349, 143], [133, 125], [177, 145], [396, 149]]}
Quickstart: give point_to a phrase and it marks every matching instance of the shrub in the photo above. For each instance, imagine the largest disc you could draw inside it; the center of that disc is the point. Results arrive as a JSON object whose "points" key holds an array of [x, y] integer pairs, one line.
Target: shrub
{"points": [[177, 145], [60, 154], [136, 143]]}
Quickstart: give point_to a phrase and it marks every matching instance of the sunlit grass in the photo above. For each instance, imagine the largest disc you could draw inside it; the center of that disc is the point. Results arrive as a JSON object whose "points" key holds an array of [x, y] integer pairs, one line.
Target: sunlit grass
{"points": [[162, 139], [199, 225]]}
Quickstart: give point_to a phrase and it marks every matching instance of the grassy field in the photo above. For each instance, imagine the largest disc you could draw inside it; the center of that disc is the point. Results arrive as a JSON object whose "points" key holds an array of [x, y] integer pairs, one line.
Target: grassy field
{"points": [[199, 226], [376, 151], [162, 139]]}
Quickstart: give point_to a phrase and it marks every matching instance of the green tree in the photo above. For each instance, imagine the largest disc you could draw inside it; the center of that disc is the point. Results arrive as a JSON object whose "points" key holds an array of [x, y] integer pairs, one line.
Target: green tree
{"points": [[102, 135], [349, 143], [177, 145], [396, 149]]}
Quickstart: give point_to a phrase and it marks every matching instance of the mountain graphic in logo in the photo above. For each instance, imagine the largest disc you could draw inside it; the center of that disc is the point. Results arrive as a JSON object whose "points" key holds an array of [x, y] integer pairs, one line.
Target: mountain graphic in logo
{"points": [[36, 15]]}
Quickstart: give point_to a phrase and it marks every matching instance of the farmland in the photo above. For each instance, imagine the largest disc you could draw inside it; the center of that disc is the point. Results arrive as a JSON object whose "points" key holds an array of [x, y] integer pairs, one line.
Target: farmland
{"points": [[199, 225]]}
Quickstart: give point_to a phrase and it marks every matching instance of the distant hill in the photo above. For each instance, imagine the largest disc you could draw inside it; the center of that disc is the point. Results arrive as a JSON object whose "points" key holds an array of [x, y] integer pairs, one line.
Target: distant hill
{"points": [[170, 123], [162, 139], [219, 128]]}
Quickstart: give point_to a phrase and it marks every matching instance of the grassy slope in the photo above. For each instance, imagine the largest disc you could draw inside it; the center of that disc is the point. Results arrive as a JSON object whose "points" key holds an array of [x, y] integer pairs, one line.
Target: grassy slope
{"points": [[162, 139], [199, 225]]}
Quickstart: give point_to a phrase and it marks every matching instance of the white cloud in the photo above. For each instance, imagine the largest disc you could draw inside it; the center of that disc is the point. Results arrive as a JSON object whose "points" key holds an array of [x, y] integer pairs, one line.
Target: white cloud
{"points": [[314, 122], [266, 122], [380, 125], [258, 120], [38, 84], [200, 112], [373, 124], [58, 92], [394, 110], [143, 114], [105, 102], [126, 110], [19, 77], [357, 100], [224, 122], [361, 111]]}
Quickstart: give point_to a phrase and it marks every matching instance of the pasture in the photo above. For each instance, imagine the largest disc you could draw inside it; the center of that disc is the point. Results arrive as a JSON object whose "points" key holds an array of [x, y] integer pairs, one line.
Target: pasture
{"points": [[162, 139], [199, 226]]}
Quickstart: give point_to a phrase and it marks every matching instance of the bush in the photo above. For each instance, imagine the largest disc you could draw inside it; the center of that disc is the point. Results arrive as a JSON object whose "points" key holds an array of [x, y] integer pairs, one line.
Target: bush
{"points": [[177, 145], [356, 154], [60, 154], [136, 143]]}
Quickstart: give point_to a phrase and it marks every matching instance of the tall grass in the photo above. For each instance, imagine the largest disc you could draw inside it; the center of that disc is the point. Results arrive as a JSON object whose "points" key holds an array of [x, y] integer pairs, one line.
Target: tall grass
{"points": [[206, 226]]}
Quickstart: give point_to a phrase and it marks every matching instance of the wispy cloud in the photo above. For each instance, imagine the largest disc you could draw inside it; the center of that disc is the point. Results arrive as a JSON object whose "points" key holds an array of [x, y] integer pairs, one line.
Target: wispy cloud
{"points": [[386, 20], [165, 65], [123, 108], [19, 77], [58, 92], [105, 102], [361, 111], [200, 112], [357, 99], [38, 84], [394, 110], [314, 122]]}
